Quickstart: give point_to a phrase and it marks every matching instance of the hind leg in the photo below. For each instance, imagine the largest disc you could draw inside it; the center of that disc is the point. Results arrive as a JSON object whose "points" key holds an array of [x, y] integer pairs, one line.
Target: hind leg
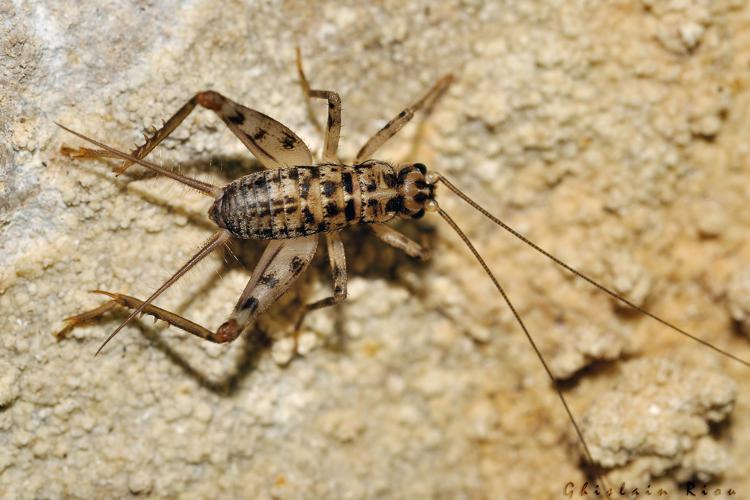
{"points": [[272, 143], [143, 150], [119, 300], [279, 266]]}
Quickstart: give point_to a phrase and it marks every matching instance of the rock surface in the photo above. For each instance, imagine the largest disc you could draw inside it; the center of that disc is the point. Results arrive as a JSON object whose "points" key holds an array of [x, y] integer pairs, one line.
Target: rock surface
{"points": [[612, 133]]}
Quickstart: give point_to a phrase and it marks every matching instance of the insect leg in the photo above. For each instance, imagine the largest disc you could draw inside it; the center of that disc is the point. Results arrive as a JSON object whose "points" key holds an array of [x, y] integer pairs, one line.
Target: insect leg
{"points": [[400, 241], [72, 322], [305, 84], [392, 127], [110, 152], [278, 267], [333, 126], [337, 261], [121, 300], [141, 151], [274, 144], [282, 262]]}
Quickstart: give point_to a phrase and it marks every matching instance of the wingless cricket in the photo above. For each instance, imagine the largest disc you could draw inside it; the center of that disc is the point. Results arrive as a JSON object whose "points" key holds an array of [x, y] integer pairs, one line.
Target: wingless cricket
{"points": [[294, 200]]}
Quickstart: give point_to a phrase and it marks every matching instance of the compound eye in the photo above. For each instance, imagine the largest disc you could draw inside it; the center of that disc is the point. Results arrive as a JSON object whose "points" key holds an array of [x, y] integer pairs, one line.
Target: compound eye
{"points": [[421, 167]]}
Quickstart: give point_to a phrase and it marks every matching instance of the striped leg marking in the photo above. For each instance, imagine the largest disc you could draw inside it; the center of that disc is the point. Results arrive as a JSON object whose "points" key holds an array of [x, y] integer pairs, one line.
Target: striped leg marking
{"points": [[392, 127], [279, 267], [272, 143]]}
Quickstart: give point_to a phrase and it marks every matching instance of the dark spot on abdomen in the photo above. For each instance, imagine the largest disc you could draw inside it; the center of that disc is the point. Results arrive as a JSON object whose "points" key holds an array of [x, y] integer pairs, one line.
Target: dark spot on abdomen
{"points": [[304, 190], [349, 210], [332, 209], [308, 216], [346, 180], [328, 188]]}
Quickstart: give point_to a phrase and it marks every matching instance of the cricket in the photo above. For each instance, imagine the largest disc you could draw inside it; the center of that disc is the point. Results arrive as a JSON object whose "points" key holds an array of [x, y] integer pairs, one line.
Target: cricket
{"points": [[296, 199]]}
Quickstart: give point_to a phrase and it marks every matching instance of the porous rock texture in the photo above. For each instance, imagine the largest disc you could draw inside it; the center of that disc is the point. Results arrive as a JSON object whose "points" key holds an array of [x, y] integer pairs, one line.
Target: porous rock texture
{"points": [[612, 133]]}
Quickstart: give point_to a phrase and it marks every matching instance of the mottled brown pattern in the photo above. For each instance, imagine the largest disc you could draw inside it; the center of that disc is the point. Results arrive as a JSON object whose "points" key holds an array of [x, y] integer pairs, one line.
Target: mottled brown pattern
{"points": [[275, 190], [375, 191], [290, 191], [261, 225], [300, 201], [332, 196]]}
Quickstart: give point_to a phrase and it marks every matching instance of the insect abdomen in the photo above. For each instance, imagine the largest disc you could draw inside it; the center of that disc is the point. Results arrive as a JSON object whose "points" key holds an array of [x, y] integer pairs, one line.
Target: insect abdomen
{"points": [[299, 201]]}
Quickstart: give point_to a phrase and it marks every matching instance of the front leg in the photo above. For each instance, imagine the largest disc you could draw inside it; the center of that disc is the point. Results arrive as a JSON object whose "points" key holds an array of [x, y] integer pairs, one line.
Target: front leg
{"points": [[396, 124], [400, 241]]}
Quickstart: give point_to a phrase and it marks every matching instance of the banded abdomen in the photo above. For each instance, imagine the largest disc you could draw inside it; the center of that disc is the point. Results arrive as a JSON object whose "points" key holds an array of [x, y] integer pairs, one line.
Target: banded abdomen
{"points": [[299, 201]]}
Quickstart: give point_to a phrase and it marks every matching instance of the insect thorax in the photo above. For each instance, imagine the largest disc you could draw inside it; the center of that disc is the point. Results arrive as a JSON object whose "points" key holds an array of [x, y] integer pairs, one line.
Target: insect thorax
{"points": [[303, 200]]}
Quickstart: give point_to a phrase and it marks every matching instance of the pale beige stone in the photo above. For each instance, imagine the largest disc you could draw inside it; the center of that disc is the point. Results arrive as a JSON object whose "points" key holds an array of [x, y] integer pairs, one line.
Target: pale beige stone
{"points": [[595, 128]]}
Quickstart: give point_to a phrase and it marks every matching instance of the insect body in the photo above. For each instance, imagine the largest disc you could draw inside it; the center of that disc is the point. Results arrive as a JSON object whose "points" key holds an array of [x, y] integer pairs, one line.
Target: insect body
{"points": [[289, 203], [300, 201], [293, 200]]}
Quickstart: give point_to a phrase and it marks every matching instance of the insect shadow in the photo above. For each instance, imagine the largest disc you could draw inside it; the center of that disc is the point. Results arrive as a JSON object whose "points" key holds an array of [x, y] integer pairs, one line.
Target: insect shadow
{"points": [[374, 261]]}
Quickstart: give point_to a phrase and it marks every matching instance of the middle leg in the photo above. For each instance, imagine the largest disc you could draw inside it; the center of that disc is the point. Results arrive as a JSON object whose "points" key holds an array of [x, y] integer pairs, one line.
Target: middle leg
{"points": [[337, 261], [333, 126]]}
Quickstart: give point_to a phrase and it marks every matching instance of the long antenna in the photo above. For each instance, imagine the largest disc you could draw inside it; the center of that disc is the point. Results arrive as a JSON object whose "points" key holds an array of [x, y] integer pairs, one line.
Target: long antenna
{"points": [[583, 276], [500, 289], [203, 187]]}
